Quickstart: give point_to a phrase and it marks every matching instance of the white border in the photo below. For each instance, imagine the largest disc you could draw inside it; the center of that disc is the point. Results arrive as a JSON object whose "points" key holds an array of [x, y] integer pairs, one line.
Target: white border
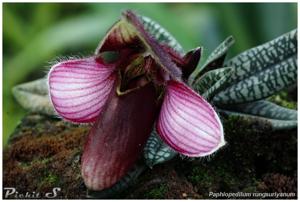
{"points": [[123, 1]]}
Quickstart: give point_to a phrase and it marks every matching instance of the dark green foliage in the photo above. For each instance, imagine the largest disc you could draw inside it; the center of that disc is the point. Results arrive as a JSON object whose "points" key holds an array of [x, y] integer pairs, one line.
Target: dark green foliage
{"points": [[161, 34], [33, 96], [237, 86], [267, 109], [261, 57], [215, 59], [156, 151], [261, 71], [219, 85], [209, 79], [261, 85]]}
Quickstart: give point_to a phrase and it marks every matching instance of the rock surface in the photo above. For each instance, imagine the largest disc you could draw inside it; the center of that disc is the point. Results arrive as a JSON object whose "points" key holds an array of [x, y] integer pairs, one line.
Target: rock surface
{"points": [[44, 153]]}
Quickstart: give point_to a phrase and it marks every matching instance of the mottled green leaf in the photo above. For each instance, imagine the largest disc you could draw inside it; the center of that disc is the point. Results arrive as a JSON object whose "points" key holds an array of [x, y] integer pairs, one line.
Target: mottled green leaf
{"points": [[214, 60], [156, 151], [161, 34], [120, 186], [262, 84], [274, 123], [219, 85], [266, 109], [33, 96], [219, 52], [209, 79], [264, 56]]}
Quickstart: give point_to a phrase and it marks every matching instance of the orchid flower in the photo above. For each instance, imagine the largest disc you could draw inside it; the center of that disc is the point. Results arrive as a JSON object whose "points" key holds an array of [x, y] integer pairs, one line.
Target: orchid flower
{"points": [[130, 85]]}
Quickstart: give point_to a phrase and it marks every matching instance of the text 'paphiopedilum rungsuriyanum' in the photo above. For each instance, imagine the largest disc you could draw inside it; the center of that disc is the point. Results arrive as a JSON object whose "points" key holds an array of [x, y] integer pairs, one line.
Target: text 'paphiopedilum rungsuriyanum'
{"points": [[125, 96]]}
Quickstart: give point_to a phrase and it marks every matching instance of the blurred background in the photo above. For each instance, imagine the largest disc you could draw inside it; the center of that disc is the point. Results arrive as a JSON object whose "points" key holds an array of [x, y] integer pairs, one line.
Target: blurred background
{"points": [[34, 34]]}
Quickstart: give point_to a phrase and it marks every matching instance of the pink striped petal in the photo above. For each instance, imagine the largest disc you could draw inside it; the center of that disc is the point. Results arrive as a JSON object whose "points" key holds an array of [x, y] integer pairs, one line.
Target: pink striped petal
{"points": [[188, 123], [79, 88]]}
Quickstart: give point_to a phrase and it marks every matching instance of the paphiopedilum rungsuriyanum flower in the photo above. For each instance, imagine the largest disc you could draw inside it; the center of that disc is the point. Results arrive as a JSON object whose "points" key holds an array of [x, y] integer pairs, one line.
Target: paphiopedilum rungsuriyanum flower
{"points": [[125, 96]]}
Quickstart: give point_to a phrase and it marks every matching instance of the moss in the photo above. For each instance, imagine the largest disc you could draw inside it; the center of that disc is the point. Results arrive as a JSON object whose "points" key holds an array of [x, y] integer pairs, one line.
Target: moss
{"points": [[251, 150], [216, 177], [200, 176], [38, 159], [157, 192], [45, 153], [282, 99], [275, 182], [25, 164], [49, 180], [163, 182], [250, 189]]}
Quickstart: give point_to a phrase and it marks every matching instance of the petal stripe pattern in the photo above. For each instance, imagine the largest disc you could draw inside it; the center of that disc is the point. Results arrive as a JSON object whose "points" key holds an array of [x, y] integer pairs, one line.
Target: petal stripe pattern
{"points": [[188, 123], [79, 88]]}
